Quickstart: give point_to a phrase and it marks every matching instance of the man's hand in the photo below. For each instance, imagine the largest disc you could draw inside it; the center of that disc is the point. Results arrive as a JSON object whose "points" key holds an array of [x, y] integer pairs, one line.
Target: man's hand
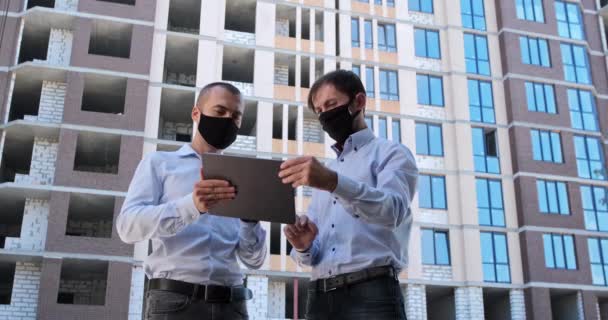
{"points": [[308, 171], [302, 233], [209, 193]]}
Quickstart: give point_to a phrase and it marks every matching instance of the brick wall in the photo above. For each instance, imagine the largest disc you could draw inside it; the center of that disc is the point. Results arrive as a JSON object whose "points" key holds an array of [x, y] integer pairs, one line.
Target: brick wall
{"points": [[52, 100], [24, 297], [518, 304], [313, 132], [282, 27], [60, 46], [180, 78], [239, 37], [469, 303], [88, 292], [245, 143], [258, 306], [67, 5], [171, 129], [42, 168], [580, 306], [281, 74], [100, 229], [137, 293], [33, 228], [437, 273], [276, 299], [415, 301]]}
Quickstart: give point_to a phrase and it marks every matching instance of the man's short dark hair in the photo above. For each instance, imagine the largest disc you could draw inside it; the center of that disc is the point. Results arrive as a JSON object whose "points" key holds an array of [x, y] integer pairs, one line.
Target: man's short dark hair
{"points": [[207, 89], [344, 81]]}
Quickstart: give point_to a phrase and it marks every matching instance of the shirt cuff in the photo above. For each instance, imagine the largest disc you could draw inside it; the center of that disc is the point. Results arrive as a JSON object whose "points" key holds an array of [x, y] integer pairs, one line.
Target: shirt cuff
{"points": [[186, 209], [346, 188]]}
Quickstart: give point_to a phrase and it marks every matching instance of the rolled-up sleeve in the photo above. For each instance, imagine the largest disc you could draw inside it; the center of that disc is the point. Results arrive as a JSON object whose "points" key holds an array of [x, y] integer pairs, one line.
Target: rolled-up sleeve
{"points": [[142, 217], [252, 244], [389, 201]]}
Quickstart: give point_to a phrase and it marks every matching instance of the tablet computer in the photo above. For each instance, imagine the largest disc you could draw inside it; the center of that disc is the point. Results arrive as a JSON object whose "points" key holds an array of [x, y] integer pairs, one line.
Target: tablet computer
{"points": [[260, 193]]}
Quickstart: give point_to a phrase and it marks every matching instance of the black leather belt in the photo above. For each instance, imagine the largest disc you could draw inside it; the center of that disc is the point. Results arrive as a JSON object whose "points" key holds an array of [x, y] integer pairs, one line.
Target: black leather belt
{"points": [[347, 279], [209, 293]]}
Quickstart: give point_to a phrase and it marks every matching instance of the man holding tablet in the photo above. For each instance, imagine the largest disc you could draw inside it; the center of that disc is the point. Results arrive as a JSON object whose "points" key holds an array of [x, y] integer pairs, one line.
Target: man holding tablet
{"points": [[193, 265], [357, 229]]}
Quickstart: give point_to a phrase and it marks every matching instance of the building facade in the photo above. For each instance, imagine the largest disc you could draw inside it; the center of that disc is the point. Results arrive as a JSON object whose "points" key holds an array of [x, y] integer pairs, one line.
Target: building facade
{"points": [[503, 102]]}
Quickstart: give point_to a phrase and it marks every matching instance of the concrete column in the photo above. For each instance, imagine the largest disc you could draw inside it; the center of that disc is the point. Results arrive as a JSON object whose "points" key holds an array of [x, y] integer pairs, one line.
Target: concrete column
{"points": [[264, 127], [212, 17], [161, 17], [209, 64], [285, 128], [580, 306], [137, 292], [469, 303], [157, 63], [151, 129], [59, 50], [518, 304], [258, 306], [415, 301]]}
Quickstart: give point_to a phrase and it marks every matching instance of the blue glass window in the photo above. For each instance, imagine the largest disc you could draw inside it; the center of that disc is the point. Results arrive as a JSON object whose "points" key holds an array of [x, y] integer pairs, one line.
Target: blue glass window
{"points": [[369, 121], [397, 130], [426, 43], [540, 97], [481, 101], [476, 55], [435, 247], [531, 10], [389, 85], [431, 192], [576, 66], [559, 251], [473, 14], [429, 139], [495, 257], [369, 82], [546, 146], [485, 151], [354, 30], [582, 110], [430, 90], [595, 207], [535, 51], [369, 35], [598, 258], [421, 5], [490, 203], [387, 40], [589, 158], [382, 128], [552, 197], [569, 20], [357, 70]]}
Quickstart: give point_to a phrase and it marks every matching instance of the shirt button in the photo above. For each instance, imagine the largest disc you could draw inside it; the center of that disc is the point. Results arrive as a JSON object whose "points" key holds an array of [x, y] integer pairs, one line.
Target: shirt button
{"points": [[332, 225], [355, 148], [342, 160], [334, 201], [357, 216], [333, 249], [330, 272]]}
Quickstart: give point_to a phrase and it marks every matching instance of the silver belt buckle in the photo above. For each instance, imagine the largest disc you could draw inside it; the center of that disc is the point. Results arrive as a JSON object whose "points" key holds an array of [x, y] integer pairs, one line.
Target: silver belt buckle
{"points": [[325, 290]]}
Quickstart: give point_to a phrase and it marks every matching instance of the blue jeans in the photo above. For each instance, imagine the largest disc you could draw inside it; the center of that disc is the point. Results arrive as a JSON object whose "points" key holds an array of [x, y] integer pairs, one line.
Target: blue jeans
{"points": [[167, 305], [377, 299]]}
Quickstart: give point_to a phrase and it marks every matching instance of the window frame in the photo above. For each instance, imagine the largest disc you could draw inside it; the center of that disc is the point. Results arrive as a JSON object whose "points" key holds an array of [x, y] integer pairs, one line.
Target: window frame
{"points": [[429, 81], [489, 196], [532, 88], [563, 205], [471, 38], [495, 263], [431, 194], [535, 46], [425, 35], [427, 126], [553, 148], [434, 233], [564, 253]]}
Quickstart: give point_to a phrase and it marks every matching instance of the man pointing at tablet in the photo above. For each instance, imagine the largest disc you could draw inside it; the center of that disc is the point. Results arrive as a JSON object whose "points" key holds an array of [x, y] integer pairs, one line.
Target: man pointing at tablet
{"points": [[193, 265], [356, 232]]}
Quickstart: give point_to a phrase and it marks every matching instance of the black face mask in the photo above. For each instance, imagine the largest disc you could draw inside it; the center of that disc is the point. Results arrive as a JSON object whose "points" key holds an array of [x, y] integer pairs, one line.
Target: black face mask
{"points": [[338, 122], [218, 132]]}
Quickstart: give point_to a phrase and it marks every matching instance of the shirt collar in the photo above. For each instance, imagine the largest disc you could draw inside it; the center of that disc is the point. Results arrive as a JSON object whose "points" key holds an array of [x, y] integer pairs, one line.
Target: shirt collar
{"points": [[356, 141], [186, 150]]}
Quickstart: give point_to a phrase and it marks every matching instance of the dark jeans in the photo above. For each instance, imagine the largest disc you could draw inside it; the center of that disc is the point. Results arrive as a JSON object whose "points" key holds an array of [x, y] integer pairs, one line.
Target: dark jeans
{"points": [[377, 299], [167, 305]]}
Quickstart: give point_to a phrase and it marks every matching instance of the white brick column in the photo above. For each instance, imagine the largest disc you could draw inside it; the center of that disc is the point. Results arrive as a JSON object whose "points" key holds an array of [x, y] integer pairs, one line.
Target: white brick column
{"points": [[24, 298], [52, 99], [258, 306], [276, 300], [518, 304], [136, 299], [67, 5], [42, 168], [469, 303], [60, 47], [580, 306], [415, 302]]}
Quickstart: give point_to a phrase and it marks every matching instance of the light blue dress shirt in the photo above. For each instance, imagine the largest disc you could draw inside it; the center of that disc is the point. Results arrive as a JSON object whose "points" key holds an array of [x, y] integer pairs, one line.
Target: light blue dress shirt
{"points": [[186, 245], [366, 221]]}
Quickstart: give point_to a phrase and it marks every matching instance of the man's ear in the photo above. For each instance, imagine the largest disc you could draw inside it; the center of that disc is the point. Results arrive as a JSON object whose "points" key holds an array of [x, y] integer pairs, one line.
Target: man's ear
{"points": [[360, 101], [196, 112]]}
